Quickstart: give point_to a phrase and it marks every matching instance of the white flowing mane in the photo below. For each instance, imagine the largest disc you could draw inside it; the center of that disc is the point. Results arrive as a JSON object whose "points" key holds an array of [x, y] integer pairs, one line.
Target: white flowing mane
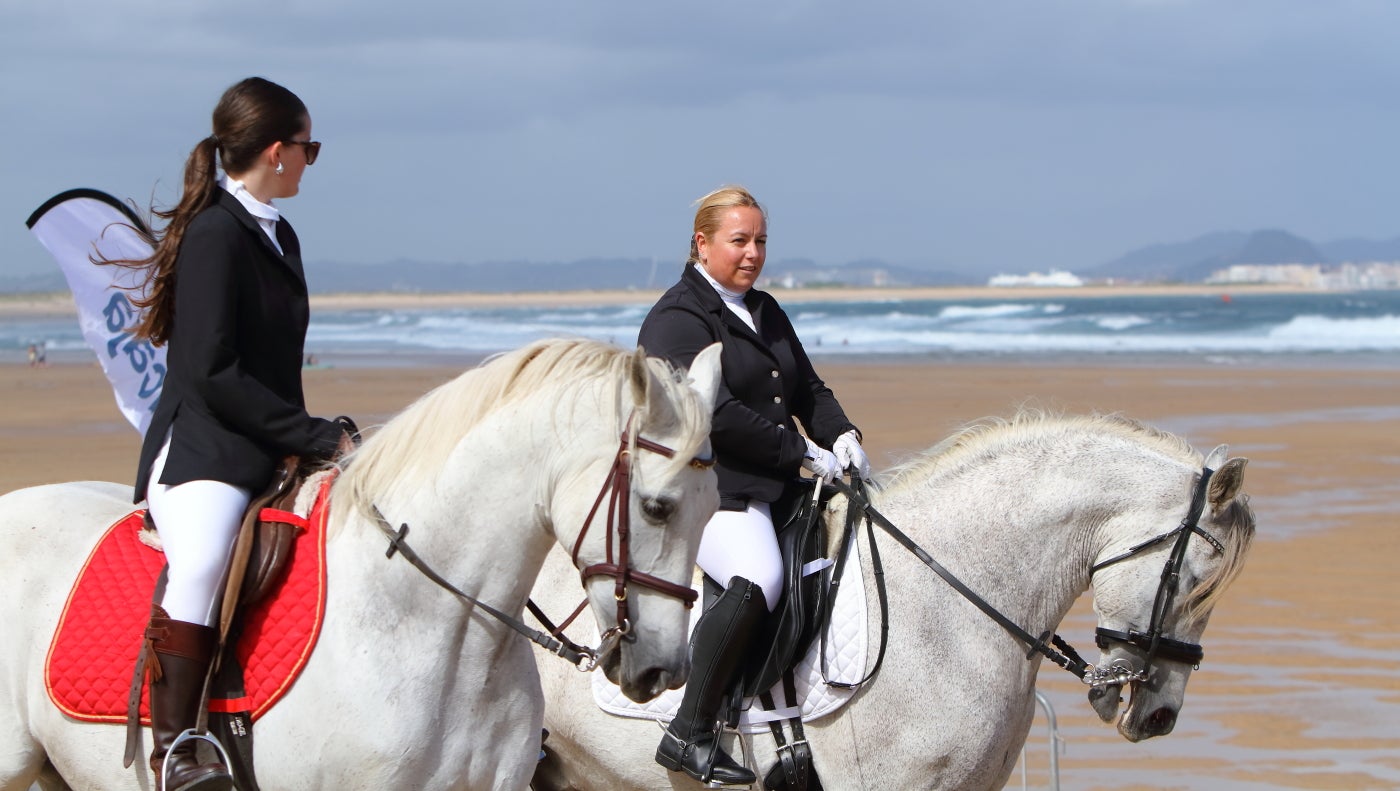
{"points": [[986, 437], [420, 437]]}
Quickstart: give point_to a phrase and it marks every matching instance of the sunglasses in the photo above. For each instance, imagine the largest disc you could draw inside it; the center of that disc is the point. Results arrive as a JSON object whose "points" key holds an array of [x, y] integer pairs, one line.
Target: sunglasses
{"points": [[311, 147]]}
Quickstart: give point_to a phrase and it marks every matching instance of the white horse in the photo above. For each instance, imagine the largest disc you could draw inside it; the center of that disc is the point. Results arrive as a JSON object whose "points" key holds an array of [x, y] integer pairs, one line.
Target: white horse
{"points": [[408, 687], [1028, 513]]}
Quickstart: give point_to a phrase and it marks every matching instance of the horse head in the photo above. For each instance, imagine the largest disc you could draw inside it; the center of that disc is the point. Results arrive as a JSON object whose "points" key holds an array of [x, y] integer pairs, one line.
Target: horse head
{"points": [[1154, 599], [640, 590]]}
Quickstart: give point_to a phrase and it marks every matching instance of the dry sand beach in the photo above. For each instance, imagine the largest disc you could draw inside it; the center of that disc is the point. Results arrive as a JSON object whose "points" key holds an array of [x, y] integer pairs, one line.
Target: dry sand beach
{"points": [[1301, 683]]}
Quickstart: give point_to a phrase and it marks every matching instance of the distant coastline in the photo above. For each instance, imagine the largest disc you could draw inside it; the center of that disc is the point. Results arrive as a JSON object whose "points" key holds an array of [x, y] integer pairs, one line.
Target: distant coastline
{"points": [[61, 303]]}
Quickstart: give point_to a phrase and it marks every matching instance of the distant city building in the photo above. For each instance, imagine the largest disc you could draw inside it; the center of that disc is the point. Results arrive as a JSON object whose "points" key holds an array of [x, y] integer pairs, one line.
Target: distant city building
{"points": [[1055, 278], [1342, 277]]}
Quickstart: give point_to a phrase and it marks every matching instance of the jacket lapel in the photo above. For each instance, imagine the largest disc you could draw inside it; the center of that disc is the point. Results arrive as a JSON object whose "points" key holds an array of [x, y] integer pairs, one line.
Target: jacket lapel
{"points": [[736, 326], [291, 248]]}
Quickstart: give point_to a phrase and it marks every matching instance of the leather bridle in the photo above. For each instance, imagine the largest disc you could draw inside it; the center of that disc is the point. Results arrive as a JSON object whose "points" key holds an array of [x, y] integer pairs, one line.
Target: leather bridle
{"points": [[1152, 641], [618, 483], [617, 487], [1050, 645]]}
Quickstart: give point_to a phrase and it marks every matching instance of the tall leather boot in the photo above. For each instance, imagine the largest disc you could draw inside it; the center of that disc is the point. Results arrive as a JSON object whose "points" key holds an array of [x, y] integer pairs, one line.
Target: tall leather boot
{"points": [[718, 647], [181, 653]]}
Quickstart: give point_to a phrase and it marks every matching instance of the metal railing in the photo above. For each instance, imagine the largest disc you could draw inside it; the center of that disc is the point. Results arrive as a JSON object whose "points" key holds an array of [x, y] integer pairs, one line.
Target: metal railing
{"points": [[1055, 745]]}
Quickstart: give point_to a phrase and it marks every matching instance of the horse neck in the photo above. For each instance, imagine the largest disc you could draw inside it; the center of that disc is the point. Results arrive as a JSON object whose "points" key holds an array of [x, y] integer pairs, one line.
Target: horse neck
{"points": [[484, 521], [1028, 554]]}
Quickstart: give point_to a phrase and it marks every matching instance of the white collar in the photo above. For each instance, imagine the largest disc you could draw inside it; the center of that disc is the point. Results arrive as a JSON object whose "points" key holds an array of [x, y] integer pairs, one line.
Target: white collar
{"points": [[255, 207], [726, 294]]}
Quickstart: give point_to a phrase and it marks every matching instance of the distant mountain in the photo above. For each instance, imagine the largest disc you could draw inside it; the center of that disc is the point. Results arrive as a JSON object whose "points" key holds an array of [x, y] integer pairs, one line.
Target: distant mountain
{"points": [[492, 277], [1361, 250], [867, 272], [1194, 261], [33, 284], [592, 274]]}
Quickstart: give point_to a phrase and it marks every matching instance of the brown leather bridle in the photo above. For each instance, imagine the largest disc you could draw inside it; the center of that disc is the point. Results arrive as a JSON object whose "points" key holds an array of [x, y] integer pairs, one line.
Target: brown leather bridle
{"points": [[617, 487], [619, 483]]}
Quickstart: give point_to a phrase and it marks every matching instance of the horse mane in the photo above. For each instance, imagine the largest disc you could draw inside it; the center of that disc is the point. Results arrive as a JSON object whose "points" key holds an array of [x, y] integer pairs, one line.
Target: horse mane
{"points": [[979, 439], [1237, 519], [416, 443]]}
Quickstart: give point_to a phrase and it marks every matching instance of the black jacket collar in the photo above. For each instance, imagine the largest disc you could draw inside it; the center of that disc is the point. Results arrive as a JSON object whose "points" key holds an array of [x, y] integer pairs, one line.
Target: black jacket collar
{"points": [[290, 254], [710, 299]]}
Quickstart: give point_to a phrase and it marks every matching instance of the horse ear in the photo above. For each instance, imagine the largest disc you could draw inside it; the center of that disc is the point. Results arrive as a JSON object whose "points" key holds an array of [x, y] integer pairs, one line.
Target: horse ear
{"points": [[705, 374], [1217, 457], [1227, 482], [640, 377]]}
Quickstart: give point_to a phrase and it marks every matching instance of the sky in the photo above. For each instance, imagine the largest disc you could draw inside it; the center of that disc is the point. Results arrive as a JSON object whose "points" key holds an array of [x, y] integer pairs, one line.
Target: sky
{"points": [[987, 136]]}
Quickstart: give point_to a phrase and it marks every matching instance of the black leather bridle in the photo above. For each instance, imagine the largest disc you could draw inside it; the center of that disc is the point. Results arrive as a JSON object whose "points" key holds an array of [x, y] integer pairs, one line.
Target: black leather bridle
{"points": [[1050, 645], [1152, 641]]}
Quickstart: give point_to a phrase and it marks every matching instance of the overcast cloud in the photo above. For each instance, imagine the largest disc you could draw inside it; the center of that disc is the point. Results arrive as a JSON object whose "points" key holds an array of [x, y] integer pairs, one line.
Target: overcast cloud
{"points": [[983, 136]]}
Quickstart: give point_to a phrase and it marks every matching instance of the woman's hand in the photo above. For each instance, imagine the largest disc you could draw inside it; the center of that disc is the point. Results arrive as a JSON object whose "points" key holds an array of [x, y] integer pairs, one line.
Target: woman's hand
{"points": [[850, 454], [821, 462]]}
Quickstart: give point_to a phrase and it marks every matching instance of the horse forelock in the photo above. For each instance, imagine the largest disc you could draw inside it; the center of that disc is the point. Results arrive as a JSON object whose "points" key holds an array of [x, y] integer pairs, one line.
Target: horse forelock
{"points": [[1233, 527], [988, 436], [690, 421], [417, 442]]}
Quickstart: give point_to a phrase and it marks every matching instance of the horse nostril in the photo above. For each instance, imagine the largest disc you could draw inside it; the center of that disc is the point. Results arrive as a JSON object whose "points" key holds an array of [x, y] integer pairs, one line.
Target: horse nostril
{"points": [[1161, 722]]}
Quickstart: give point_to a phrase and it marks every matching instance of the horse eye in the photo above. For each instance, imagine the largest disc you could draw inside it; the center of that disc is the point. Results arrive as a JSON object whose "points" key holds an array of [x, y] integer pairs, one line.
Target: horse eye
{"points": [[658, 509]]}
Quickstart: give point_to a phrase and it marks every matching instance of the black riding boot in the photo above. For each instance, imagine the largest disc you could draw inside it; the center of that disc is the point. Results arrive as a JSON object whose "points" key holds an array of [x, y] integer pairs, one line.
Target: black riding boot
{"points": [[717, 652]]}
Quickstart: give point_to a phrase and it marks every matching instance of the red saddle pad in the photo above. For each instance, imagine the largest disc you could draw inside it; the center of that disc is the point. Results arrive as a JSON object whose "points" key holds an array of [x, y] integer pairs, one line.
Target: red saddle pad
{"points": [[94, 648]]}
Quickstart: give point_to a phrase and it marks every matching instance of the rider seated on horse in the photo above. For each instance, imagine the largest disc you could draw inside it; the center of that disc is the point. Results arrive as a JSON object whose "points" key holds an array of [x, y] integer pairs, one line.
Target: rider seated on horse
{"points": [[224, 288], [768, 381]]}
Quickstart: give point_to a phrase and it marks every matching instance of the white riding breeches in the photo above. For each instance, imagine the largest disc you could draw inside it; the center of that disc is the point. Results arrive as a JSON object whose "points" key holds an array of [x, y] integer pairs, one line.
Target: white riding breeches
{"points": [[744, 544], [198, 522]]}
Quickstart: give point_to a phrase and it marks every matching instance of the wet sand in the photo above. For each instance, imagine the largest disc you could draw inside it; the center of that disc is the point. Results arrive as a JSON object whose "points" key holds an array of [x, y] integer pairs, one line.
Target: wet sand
{"points": [[1300, 687]]}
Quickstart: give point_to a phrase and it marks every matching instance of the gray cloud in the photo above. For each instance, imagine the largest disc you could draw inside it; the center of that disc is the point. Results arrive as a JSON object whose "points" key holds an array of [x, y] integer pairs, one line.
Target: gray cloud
{"points": [[993, 134]]}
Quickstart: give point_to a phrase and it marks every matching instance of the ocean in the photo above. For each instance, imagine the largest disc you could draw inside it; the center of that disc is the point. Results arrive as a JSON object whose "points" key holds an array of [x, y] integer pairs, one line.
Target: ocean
{"points": [[1356, 328]]}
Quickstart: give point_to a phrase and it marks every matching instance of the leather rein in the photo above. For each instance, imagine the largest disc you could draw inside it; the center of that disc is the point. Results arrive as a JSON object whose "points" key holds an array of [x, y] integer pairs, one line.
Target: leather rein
{"points": [[618, 486], [1057, 650]]}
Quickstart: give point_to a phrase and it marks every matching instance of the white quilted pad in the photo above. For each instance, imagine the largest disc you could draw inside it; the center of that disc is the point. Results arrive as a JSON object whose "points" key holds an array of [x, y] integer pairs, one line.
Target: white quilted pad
{"points": [[846, 651]]}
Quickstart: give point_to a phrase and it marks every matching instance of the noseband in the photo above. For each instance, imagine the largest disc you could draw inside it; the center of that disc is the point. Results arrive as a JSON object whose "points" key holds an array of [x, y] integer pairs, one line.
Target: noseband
{"points": [[617, 487], [1152, 640]]}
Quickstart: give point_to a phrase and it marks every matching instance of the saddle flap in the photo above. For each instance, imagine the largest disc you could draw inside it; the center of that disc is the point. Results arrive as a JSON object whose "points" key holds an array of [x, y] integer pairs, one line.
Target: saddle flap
{"points": [[264, 544], [796, 621]]}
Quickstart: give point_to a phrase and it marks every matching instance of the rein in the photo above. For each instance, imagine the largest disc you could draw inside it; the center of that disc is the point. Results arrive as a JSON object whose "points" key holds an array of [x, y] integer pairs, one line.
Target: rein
{"points": [[1068, 659], [1062, 653], [618, 485]]}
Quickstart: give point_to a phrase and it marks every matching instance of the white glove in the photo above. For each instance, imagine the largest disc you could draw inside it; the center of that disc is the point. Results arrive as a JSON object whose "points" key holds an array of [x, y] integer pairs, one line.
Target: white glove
{"points": [[821, 463], [849, 454]]}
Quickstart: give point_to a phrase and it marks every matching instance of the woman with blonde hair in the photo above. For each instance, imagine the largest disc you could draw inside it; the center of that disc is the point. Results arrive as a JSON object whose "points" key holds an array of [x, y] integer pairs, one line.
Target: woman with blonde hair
{"points": [[767, 382]]}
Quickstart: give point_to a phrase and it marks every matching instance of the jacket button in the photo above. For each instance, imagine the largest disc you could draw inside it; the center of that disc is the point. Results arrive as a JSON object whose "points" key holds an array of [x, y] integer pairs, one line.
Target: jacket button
{"points": [[777, 399], [775, 374]]}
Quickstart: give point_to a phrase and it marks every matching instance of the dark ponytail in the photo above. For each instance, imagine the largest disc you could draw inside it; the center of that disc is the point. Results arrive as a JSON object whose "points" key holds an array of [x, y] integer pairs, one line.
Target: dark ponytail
{"points": [[251, 115]]}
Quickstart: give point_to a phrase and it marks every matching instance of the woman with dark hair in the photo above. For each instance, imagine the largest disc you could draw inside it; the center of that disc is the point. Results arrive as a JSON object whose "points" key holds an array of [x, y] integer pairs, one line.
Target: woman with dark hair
{"points": [[767, 382], [225, 289]]}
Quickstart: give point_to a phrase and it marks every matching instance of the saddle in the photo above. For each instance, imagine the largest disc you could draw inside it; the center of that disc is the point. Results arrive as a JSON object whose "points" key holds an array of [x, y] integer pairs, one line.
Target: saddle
{"points": [[261, 554]]}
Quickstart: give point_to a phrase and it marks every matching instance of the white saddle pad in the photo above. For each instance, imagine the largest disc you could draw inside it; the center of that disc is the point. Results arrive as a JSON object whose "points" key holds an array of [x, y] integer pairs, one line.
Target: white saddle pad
{"points": [[846, 650]]}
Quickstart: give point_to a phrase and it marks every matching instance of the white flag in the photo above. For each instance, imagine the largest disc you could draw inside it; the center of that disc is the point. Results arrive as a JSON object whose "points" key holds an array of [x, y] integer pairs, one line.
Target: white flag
{"points": [[75, 227]]}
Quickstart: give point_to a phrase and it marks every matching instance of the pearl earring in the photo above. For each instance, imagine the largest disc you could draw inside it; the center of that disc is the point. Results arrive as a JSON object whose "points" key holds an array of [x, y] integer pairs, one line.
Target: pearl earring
{"points": [[278, 171]]}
